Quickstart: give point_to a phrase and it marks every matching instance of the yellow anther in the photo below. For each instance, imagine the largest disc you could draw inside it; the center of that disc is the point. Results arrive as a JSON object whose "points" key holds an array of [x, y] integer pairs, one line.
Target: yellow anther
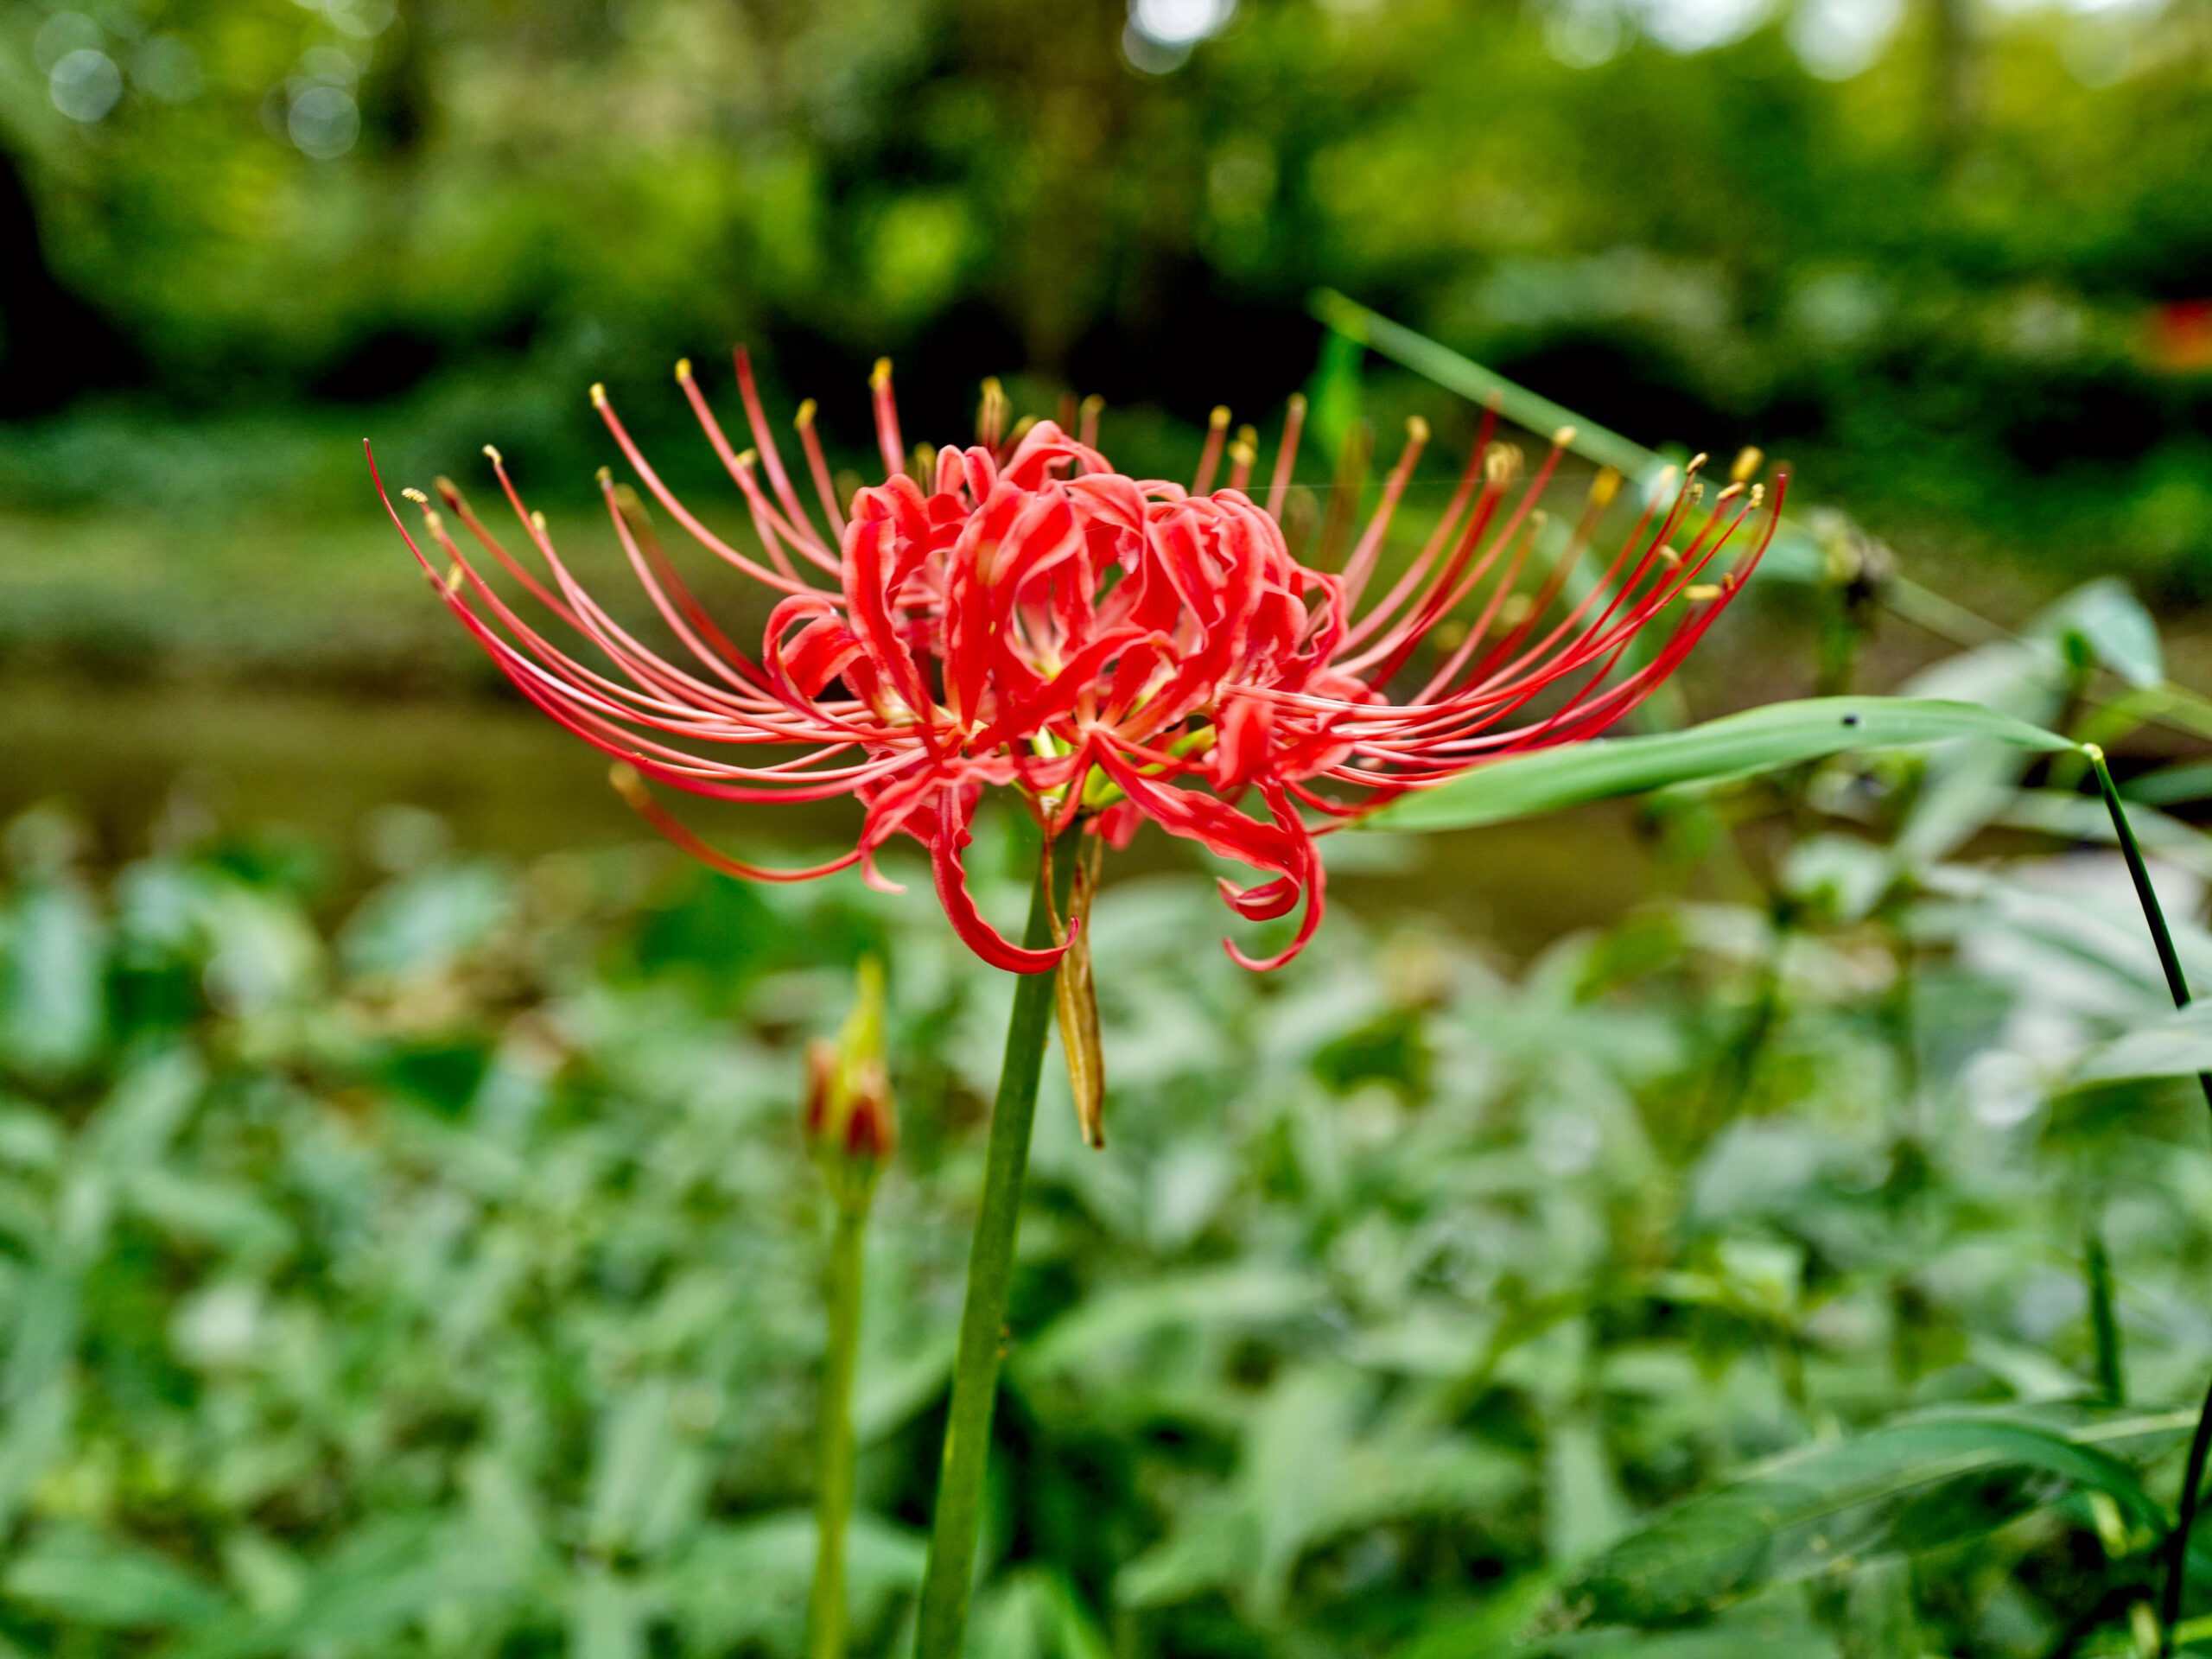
{"points": [[538, 521], [606, 477], [1759, 494], [455, 577], [1295, 402], [1669, 556], [991, 387], [1247, 438], [497, 460], [1702, 591], [1730, 493], [1219, 421], [598, 395], [1564, 438], [684, 368], [1416, 429], [1697, 460], [1604, 488], [1749, 459], [630, 787], [1093, 404], [416, 496], [880, 375], [749, 459]]}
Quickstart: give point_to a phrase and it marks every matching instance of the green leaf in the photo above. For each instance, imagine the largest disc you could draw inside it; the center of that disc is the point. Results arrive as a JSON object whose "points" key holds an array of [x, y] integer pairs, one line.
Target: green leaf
{"points": [[2178, 1046], [1761, 739], [90, 1580], [1799, 1514], [2111, 626], [1491, 1629]]}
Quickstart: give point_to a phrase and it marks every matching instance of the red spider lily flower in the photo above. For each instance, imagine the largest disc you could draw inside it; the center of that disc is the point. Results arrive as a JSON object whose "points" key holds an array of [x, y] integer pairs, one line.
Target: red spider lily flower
{"points": [[1017, 614]]}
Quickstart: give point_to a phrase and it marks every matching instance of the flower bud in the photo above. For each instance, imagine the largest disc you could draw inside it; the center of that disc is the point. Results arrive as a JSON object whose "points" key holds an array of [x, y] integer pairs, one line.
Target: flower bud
{"points": [[850, 1118]]}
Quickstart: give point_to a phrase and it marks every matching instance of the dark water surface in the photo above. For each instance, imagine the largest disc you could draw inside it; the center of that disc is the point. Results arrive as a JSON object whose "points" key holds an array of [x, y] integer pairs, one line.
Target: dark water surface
{"points": [[507, 780]]}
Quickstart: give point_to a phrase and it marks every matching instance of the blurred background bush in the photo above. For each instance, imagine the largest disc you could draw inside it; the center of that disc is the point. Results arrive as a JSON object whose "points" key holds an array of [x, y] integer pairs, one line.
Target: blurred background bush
{"points": [[1945, 253]]}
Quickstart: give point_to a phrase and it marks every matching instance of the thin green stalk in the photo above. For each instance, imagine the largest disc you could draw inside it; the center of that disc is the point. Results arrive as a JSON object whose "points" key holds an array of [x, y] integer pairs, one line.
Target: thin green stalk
{"points": [[2104, 1323], [833, 1486], [944, 1614], [2200, 1444]]}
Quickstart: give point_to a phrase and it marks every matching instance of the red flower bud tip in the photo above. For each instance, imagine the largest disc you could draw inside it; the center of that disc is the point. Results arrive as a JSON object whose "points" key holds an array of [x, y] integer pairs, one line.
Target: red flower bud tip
{"points": [[850, 1116], [1016, 614], [871, 1121], [821, 1086]]}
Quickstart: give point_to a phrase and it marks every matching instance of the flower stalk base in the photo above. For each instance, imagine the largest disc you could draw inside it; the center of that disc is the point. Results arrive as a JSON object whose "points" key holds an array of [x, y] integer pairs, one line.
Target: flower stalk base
{"points": [[943, 1621], [833, 1489]]}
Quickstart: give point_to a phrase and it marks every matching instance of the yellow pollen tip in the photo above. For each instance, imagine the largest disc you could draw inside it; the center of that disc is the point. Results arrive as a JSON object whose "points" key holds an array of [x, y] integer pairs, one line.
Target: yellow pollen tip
{"points": [[416, 496], [1699, 592], [1731, 493], [627, 783], [1759, 494], [749, 459], [804, 418], [1093, 403], [1669, 556], [1697, 461], [1604, 488], [1242, 452], [538, 521], [455, 577], [598, 395], [605, 476], [1295, 402], [1416, 429], [880, 375], [1247, 438], [1749, 459], [497, 460], [1219, 421], [991, 388], [1564, 438]]}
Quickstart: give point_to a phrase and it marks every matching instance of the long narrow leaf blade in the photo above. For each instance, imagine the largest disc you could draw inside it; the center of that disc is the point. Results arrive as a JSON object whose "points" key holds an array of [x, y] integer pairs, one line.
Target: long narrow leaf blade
{"points": [[2179, 1044], [1761, 739], [1791, 1517]]}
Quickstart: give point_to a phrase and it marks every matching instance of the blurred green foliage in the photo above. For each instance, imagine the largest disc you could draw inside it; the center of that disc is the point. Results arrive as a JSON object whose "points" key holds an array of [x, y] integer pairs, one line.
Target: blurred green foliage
{"points": [[436, 1273], [1927, 269]]}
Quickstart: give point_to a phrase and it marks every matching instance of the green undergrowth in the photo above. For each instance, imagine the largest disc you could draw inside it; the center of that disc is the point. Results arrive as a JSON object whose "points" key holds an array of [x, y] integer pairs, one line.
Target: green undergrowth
{"points": [[438, 1274]]}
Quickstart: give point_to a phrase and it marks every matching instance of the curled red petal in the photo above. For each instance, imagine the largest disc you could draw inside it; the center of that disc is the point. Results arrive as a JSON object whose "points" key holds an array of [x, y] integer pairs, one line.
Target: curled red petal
{"points": [[977, 934]]}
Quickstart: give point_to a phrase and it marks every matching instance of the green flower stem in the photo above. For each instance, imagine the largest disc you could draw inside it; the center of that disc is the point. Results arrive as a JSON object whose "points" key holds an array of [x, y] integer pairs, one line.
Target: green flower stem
{"points": [[946, 1584], [833, 1486], [2104, 1323], [2200, 1444]]}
